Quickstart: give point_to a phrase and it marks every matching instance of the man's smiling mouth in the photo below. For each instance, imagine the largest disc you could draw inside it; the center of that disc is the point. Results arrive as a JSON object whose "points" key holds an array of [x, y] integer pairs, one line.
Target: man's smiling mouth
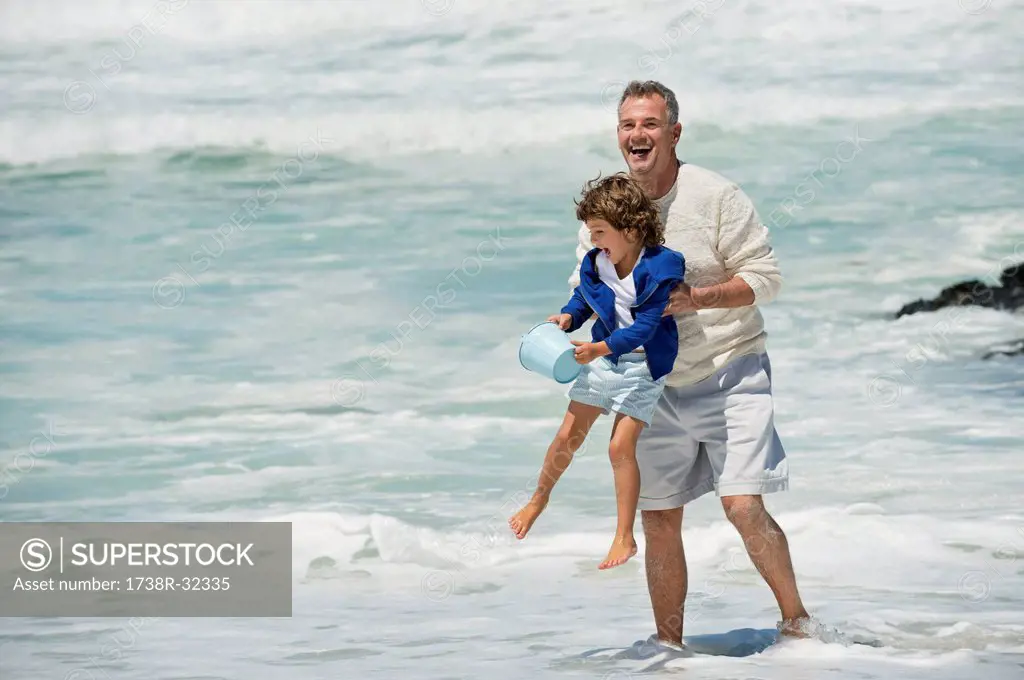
{"points": [[639, 151]]}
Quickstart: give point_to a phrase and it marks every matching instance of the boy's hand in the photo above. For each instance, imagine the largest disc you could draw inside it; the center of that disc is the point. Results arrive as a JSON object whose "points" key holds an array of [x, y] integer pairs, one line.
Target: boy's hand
{"points": [[564, 321], [588, 351]]}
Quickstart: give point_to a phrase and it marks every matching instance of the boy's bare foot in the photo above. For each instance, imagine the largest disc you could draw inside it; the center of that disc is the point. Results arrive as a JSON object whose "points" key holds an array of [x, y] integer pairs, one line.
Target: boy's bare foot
{"points": [[521, 522], [620, 552]]}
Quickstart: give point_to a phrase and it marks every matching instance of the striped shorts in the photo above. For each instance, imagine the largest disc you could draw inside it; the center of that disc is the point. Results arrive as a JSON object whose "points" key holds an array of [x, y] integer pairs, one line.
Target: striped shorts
{"points": [[626, 387]]}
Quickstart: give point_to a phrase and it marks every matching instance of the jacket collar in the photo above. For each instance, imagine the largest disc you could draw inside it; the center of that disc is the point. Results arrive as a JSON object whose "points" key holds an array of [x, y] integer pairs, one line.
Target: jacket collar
{"points": [[642, 272]]}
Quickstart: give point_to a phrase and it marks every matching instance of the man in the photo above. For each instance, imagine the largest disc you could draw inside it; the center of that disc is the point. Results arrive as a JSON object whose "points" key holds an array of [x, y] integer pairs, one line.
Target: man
{"points": [[714, 426]]}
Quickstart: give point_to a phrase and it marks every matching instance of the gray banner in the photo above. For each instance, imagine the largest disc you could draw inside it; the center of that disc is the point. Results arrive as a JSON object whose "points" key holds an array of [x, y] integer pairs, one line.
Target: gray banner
{"points": [[146, 569]]}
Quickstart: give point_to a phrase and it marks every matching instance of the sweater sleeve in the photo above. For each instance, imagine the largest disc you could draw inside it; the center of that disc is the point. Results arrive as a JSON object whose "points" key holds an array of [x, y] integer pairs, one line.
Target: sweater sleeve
{"points": [[583, 246], [578, 309], [745, 247]]}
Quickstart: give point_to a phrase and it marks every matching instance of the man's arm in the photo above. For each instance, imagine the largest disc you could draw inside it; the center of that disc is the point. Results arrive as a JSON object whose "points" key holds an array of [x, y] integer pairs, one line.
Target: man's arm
{"points": [[733, 293], [583, 246], [744, 244]]}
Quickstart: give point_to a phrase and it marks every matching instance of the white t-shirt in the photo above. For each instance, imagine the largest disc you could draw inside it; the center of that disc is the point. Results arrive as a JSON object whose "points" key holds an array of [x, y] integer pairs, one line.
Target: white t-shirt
{"points": [[624, 289]]}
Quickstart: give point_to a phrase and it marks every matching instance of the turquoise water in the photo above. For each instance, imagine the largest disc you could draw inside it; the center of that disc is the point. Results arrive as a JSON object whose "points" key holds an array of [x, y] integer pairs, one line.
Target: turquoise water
{"points": [[342, 355]]}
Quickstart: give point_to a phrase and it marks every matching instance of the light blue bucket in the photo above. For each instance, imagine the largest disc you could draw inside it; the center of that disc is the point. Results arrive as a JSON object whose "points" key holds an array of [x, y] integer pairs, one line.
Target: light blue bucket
{"points": [[546, 349]]}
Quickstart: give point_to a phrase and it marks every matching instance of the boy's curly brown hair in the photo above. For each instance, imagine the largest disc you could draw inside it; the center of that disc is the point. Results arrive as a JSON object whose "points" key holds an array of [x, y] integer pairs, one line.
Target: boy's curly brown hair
{"points": [[620, 201]]}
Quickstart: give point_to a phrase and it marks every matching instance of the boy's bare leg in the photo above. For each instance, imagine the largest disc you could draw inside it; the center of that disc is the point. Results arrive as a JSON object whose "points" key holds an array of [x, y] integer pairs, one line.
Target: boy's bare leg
{"points": [[622, 452], [579, 418]]}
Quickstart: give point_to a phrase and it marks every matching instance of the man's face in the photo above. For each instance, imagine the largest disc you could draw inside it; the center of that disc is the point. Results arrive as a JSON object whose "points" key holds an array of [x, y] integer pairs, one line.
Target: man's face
{"points": [[646, 139]]}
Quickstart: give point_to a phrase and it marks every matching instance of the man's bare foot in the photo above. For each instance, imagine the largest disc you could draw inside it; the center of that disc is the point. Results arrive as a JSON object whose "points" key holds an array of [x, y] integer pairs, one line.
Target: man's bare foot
{"points": [[521, 522], [795, 628], [620, 552]]}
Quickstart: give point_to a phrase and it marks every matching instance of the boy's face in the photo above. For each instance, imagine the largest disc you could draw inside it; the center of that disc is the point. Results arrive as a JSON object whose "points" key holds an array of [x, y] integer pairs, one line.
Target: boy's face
{"points": [[616, 244]]}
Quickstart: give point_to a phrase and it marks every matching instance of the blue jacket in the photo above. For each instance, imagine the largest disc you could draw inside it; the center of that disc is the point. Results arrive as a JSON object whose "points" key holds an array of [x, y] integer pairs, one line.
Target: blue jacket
{"points": [[655, 274]]}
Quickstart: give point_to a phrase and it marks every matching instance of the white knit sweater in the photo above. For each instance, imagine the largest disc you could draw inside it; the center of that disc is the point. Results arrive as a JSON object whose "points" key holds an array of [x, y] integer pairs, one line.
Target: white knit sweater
{"points": [[715, 226]]}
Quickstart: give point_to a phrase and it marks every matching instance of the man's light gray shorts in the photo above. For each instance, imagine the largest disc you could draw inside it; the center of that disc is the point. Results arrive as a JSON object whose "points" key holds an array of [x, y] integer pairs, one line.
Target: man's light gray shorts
{"points": [[716, 435]]}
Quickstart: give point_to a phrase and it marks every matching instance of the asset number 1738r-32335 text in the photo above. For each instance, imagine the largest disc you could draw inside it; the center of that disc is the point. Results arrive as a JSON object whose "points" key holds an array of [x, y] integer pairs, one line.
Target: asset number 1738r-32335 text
{"points": [[187, 583]]}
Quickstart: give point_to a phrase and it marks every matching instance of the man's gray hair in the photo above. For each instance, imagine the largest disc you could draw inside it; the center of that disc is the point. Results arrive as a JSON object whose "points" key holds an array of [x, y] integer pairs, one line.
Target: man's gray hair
{"points": [[641, 89]]}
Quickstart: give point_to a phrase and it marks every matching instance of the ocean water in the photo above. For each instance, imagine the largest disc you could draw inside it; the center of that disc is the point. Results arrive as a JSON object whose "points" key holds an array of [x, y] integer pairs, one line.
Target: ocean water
{"points": [[271, 261]]}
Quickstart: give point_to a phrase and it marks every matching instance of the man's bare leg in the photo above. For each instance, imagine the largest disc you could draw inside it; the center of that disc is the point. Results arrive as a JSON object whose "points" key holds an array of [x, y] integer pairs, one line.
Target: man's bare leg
{"points": [[666, 570], [769, 551]]}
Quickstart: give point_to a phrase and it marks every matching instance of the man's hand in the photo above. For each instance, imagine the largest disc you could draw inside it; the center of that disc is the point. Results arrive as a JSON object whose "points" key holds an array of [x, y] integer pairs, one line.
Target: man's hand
{"points": [[588, 351], [564, 321], [680, 301]]}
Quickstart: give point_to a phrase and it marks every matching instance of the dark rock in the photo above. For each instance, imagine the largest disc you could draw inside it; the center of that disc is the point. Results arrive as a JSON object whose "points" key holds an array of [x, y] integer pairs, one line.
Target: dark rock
{"points": [[1008, 295], [1013, 349]]}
